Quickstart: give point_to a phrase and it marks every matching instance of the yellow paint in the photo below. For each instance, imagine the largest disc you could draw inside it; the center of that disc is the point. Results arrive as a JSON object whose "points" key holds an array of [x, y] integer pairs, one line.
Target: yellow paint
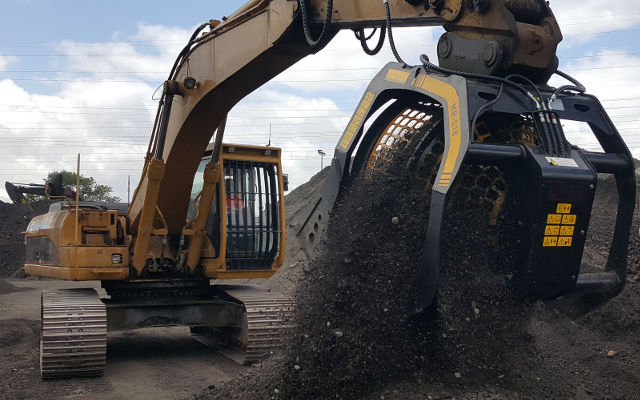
{"points": [[450, 94], [564, 208], [397, 76], [569, 219], [552, 230], [554, 219], [356, 120], [565, 241], [77, 274], [550, 241], [567, 230]]}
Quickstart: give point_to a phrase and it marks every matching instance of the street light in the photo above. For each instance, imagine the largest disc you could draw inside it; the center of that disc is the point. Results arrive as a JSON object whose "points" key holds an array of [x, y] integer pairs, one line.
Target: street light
{"points": [[322, 154]]}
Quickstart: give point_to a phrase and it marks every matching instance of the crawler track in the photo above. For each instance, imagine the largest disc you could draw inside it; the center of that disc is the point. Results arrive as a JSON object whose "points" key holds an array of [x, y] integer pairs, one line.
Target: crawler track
{"points": [[73, 342], [268, 318]]}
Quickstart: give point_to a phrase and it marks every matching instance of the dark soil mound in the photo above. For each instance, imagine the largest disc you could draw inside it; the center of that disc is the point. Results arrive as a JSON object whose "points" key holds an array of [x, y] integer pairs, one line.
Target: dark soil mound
{"points": [[357, 328], [14, 219], [357, 338], [6, 287]]}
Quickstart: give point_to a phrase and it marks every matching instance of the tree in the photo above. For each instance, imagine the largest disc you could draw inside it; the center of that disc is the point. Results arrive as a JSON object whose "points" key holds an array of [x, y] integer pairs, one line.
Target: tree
{"points": [[89, 188]]}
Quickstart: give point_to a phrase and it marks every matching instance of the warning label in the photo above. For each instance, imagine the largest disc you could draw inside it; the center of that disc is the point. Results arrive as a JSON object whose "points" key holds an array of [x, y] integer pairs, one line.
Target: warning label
{"points": [[563, 162], [560, 227]]}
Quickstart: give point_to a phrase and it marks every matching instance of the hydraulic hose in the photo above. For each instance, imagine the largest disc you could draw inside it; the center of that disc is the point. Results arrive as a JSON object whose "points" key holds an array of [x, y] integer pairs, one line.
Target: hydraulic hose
{"points": [[428, 65], [305, 23], [363, 40], [576, 87], [390, 33]]}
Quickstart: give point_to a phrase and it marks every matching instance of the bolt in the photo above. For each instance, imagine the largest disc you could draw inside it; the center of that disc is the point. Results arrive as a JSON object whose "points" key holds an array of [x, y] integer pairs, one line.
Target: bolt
{"points": [[490, 54], [444, 46]]}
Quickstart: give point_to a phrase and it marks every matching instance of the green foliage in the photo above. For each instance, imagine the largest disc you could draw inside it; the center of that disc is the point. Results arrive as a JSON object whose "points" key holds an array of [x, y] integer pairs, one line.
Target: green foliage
{"points": [[89, 188]]}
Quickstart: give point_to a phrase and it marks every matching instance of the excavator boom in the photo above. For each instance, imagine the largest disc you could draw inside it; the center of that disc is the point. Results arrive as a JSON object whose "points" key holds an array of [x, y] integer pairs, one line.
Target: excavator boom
{"points": [[220, 67]]}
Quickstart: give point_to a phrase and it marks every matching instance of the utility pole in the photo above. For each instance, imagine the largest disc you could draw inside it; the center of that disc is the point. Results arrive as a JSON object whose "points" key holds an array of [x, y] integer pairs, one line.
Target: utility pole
{"points": [[322, 154], [128, 189]]}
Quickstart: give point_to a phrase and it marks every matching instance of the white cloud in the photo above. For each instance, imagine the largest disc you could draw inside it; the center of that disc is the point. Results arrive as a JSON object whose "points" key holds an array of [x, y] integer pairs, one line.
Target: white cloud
{"points": [[614, 78], [581, 21], [108, 116], [5, 61], [146, 55], [106, 113], [300, 125], [342, 65], [39, 133]]}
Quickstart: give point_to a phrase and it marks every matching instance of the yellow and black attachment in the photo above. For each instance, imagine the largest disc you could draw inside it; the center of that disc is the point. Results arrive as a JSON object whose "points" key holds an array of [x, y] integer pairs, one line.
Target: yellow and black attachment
{"points": [[554, 181]]}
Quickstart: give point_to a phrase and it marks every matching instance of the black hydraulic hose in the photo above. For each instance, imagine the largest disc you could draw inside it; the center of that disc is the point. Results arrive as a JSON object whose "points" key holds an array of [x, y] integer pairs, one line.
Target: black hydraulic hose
{"points": [[490, 104], [186, 48], [305, 23], [576, 87], [428, 65], [392, 43], [363, 40], [485, 107], [555, 139], [579, 86]]}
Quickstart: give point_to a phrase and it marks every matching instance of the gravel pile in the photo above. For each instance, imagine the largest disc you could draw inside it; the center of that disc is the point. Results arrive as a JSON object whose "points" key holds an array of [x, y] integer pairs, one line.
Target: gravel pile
{"points": [[358, 338], [14, 219]]}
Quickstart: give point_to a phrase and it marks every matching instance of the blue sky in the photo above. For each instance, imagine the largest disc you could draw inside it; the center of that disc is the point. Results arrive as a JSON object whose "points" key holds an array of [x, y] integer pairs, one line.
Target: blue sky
{"points": [[79, 76]]}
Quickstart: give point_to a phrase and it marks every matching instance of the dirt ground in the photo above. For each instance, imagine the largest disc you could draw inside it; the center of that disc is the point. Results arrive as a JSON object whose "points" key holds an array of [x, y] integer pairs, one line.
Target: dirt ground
{"points": [[480, 343], [150, 363]]}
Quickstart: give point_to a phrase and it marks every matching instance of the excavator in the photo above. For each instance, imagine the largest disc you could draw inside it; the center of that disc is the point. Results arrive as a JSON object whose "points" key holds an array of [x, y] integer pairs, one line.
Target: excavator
{"points": [[205, 211], [54, 188]]}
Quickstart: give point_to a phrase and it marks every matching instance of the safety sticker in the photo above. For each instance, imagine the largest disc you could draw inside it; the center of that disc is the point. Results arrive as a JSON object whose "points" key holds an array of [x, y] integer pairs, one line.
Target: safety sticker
{"points": [[552, 230], [565, 241], [554, 219], [569, 219], [560, 227], [567, 230], [563, 162]]}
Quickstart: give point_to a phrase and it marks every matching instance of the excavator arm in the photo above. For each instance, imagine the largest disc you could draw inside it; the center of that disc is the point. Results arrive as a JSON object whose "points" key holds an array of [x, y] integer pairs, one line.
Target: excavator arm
{"points": [[234, 57]]}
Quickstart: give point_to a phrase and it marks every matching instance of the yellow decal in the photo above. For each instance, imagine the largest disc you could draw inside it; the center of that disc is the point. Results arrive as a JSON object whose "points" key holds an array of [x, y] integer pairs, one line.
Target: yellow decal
{"points": [[567, 231], [565, 241], [394, 75], [450, 94], [556, 235], [356, 120], [554, 219], [552, 230]]}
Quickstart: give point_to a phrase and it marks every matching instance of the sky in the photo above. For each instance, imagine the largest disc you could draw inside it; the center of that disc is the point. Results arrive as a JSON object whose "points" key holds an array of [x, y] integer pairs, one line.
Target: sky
{"points": [[83, 77]]}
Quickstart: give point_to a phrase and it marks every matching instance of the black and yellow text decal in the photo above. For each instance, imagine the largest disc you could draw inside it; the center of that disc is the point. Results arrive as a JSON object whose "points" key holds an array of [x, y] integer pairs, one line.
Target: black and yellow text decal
{"points": [[450, 95]]}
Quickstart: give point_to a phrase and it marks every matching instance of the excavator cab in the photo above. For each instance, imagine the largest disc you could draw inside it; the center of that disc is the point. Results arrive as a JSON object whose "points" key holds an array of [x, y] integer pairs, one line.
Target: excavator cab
{"points": [[253, 214]]}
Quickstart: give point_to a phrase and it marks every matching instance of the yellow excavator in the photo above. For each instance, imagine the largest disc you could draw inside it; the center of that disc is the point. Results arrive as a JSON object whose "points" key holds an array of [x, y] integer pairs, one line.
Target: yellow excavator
{"points": [[205, 210]]}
